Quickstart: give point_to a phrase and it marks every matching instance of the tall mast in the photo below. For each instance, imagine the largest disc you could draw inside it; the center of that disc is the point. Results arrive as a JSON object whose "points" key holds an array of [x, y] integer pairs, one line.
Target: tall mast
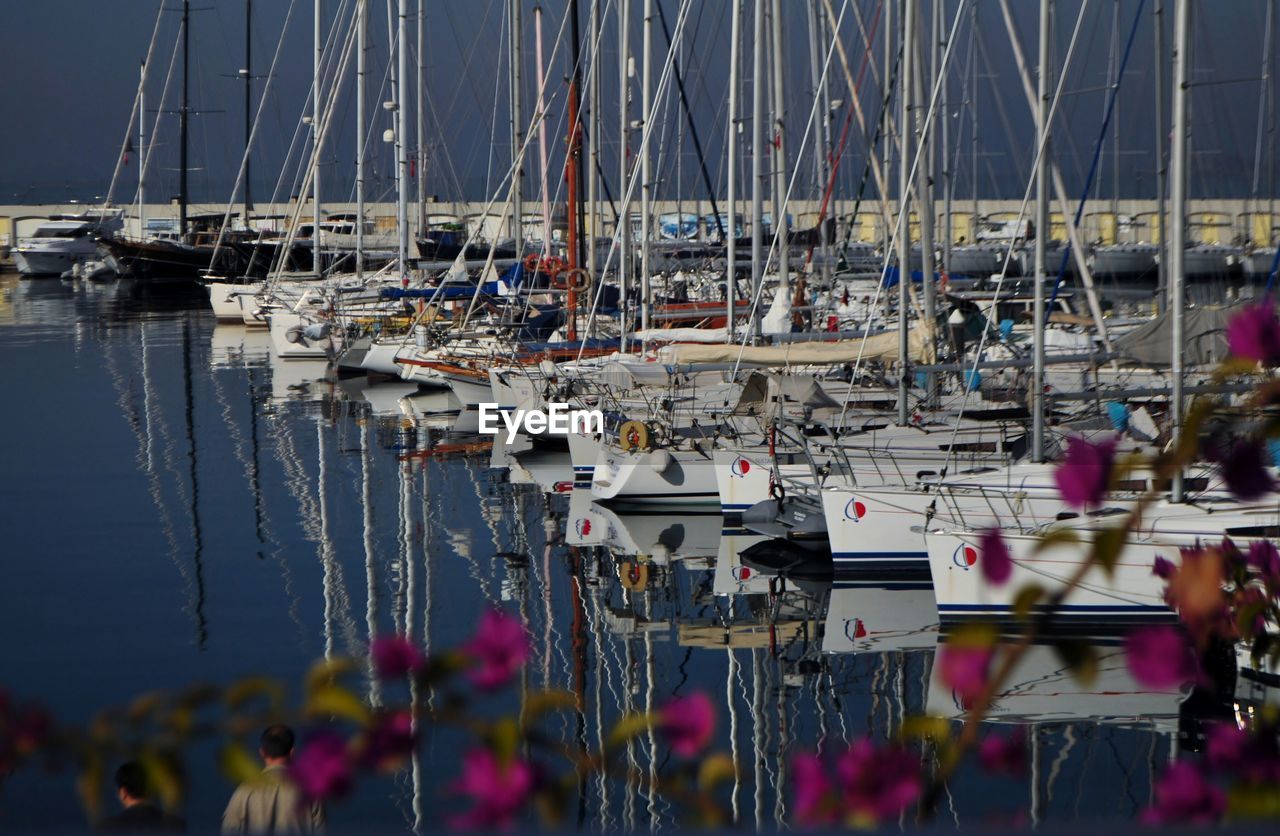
{"points": [[182, 118], [757, 167], [362, 35], [1178, 216], [731, 138], [778, 161], [421, 154], [1163, 292], [316, 102], [573, 168], [142, 149], [517, 133], [944, 121], [924, 182], [1042, 232], [248, 102], [542, 127], [402, 139], [624, 154], [593, 140], [646, 174], [904, 203]]}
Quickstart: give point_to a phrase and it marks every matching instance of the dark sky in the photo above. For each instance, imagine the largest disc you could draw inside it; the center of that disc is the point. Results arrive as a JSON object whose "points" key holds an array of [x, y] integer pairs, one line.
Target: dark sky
{"points": [[70, 70]]}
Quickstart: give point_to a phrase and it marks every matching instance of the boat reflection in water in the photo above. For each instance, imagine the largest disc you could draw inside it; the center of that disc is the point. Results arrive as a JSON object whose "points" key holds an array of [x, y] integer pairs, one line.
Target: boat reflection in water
{"points": [[295, 516]]}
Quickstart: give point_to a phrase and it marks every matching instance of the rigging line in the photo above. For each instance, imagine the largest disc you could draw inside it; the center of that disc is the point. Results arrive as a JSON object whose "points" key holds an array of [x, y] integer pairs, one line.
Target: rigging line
{"points": [[1097, 150], [144, 155], [253, 133], [136, 112]]}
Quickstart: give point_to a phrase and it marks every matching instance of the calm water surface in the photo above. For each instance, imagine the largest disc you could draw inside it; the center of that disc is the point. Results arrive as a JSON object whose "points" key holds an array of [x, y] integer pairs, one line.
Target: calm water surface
{"points": [[180, 507]]}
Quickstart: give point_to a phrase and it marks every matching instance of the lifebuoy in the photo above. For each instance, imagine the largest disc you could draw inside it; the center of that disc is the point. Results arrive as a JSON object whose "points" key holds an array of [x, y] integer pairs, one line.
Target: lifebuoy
{"points": [[550, 265], [634, 576], [633, 435], [577, 279]]}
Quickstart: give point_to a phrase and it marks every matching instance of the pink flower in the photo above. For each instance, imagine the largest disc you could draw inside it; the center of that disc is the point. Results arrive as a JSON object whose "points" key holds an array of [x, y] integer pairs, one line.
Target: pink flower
{"points": [[321, 768], [814, 806], [390, 740], [1162, 568], [1254, 334], [1184, 796], [878, 783], [688, 723], [1252, 756], [1243, 466], [1159, 657], [1264, 557], [499, 648], [497, 790], [1004, 752], [997, 566], [1083, 475], [964, 670], [395, 656]]}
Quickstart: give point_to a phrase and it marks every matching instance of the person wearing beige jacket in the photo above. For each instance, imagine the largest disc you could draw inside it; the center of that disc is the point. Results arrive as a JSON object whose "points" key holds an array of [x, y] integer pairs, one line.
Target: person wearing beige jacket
{"points": [[272, 803]]}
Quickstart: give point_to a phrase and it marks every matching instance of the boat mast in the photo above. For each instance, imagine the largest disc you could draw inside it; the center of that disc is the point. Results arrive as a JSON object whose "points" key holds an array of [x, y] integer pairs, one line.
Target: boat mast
{"points": [[924, 182], [778, 162], [1042, 232], [757, 167], [362, 36], [944, 121], [248, 102], [182, 118], [315, 139], [904, 204], [1162, 267], [421, 153], [731, 138], [646, 174], [593, 141], [624, 154], [517, 133], [573, 169], [542, 128], [1178, 219], [402, 136], [142, 149]]}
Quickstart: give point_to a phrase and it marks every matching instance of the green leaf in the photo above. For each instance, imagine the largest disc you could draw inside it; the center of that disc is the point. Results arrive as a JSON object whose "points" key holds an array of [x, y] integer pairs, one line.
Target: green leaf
{"points": [[542, 702], [714, 769], [1253, 802], [505, 737], [1108, 543], [1025, 601], [628, 727], [165, 777], [925, 727], [328, 672], [247, 689], [336, 701], [1234, 366], [1080, 657], [237, 764], [973, 635], [1057, 537]]}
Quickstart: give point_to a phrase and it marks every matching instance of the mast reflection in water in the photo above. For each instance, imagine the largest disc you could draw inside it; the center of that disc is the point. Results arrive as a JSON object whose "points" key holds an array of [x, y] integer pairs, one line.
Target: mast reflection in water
{"points": [[187, 508]]}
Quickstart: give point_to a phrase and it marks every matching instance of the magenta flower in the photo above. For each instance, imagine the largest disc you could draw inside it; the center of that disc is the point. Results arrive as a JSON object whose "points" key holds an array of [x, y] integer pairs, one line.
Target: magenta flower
{"points": [[1159, 657], [1264, 557], [1163, 569], [964, 670], [688, 723], [390, 740], [1243, 466], [1254, 334], [1252, 756], [878, 783], [1005, 753], [997, 566], [1184, 796], [1083, 475], [321, 768], [497, 790], [499, 648], [395, 656], [812, 799]]}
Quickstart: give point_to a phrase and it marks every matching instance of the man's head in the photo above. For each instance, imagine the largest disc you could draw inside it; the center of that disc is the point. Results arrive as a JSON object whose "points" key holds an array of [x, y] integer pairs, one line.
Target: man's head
{"points": [[131, 783], [277, 745]]}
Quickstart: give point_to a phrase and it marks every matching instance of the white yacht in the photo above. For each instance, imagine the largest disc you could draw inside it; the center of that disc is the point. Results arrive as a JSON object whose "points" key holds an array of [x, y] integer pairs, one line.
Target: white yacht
{"points": [[63, 241]]}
